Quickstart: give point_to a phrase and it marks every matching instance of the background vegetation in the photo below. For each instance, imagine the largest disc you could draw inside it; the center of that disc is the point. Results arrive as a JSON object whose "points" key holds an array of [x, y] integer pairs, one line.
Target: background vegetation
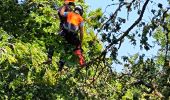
{"points": [[28, 28]]}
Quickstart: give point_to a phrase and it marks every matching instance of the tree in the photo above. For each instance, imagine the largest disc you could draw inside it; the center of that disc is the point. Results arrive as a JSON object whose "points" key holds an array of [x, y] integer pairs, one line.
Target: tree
{"points": [[28, 28]]}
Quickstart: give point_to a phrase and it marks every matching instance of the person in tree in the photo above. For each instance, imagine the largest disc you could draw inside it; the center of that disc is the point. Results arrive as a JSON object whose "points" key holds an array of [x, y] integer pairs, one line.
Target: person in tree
{"points": [[71, 27], [68, 4]]}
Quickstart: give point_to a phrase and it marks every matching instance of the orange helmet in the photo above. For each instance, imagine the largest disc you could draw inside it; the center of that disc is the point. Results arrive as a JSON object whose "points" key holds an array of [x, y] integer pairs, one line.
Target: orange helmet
{"points": [[69, 0]]}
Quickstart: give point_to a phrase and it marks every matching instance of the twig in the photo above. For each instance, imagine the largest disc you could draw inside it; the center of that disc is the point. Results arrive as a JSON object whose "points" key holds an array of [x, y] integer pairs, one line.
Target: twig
{"points": [[111, 17], [136, 22]]}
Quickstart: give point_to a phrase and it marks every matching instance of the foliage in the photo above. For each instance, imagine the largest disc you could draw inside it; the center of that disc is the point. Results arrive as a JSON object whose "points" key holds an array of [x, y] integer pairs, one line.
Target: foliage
{"points": [[27, 29]]}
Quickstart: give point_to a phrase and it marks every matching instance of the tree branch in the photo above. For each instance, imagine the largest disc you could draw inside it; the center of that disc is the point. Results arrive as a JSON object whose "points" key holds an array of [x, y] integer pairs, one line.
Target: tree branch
{"points": [[131, 27], [122, 37], [136, 22], [113, 15]]}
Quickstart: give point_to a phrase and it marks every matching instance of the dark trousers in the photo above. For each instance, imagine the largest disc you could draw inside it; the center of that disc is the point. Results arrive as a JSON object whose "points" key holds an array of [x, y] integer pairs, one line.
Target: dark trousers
{"points": [[50, 51], [70, 37]]}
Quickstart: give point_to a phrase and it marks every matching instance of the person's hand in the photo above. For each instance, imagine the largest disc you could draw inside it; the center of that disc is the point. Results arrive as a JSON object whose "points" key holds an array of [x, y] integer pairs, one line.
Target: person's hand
{"points": [[66, 2]]}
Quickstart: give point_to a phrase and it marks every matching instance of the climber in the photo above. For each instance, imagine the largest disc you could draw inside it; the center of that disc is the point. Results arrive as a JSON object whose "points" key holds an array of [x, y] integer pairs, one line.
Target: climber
{"points": [[68, 4], [73, 25]]}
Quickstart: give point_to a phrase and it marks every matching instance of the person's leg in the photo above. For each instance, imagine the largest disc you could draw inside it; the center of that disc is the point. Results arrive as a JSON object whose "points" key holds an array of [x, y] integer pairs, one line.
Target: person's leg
{"points": [[50, 52], [62, 62], [78, 50]]}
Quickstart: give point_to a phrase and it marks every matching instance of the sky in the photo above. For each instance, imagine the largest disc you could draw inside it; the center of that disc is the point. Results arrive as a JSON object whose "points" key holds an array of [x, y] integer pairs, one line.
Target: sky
{"points": [[126, 48]]}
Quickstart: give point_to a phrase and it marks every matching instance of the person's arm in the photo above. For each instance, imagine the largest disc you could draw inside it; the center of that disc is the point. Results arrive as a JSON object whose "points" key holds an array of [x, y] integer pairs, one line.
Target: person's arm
{"points": [[63, 11]]}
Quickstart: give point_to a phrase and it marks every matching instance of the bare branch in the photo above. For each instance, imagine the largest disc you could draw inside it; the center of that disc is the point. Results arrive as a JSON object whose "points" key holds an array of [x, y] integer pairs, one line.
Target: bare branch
{"points": [[113, 15], [136, 22], [131, 27]]}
